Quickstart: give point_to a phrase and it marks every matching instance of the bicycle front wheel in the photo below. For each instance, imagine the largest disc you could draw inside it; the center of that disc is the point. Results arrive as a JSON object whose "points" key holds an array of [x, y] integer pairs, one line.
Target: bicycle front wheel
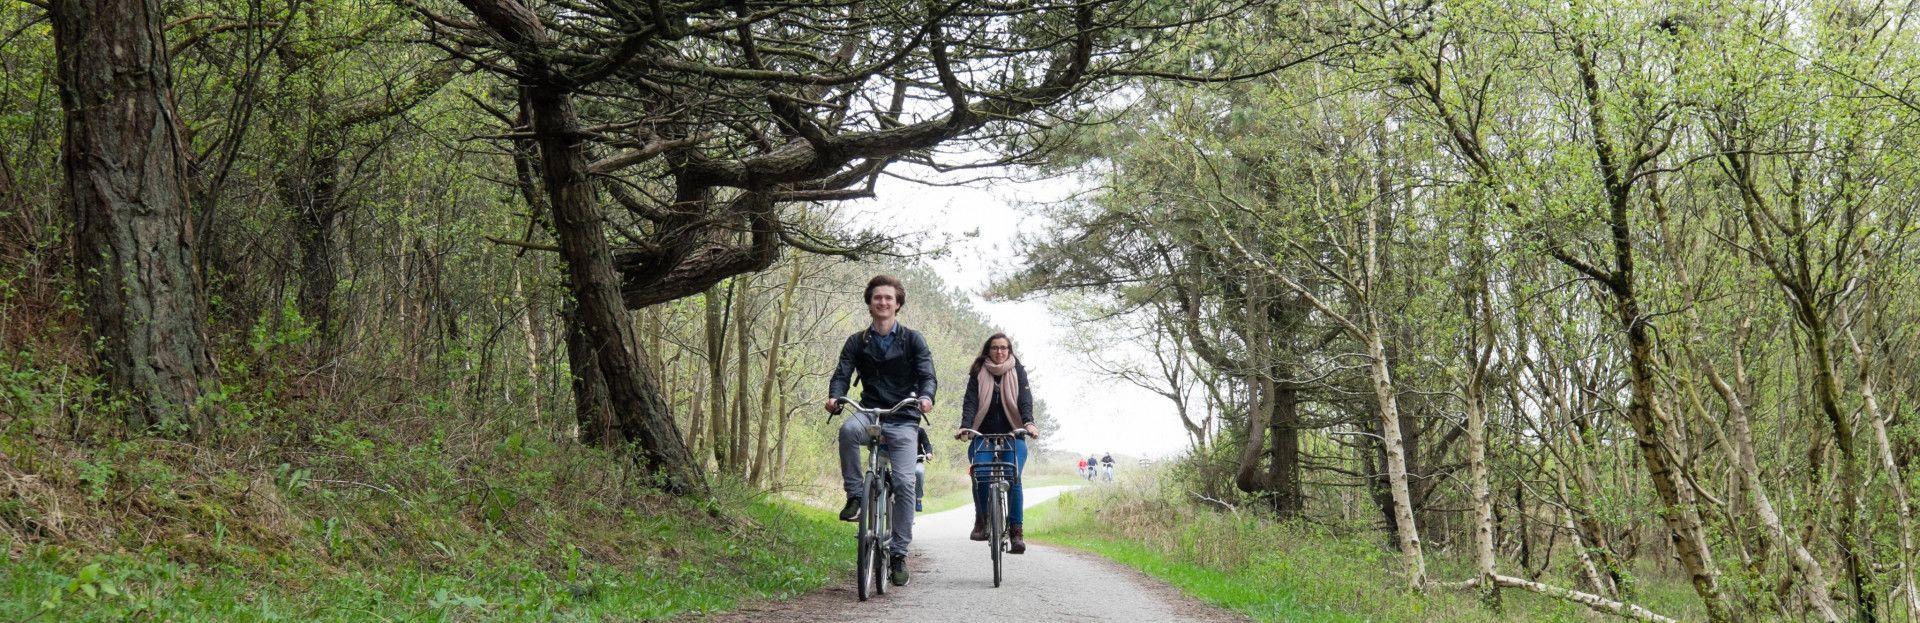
{"points": [[881, 505], [862, 560], [867, 572], [996, 530]]}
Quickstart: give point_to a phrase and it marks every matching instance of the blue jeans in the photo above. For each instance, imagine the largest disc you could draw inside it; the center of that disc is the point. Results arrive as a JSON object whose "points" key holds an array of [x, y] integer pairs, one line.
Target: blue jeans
{"points": [[1015, 511]]}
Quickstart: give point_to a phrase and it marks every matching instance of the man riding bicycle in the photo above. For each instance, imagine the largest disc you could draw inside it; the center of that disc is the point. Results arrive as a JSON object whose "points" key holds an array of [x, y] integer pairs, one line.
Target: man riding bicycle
{"points": [[894, 364]]}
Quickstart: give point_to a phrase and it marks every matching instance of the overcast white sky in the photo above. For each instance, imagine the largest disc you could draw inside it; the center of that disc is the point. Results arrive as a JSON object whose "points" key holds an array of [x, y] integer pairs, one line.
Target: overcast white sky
{"points": [[1096, 415]]}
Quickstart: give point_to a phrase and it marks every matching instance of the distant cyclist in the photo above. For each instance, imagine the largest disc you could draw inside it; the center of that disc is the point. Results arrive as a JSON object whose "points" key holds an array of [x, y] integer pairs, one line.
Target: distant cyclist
{"points": [[1082, 469], [998, 401], [1106, 465], [1093, 468], [894, 364]]}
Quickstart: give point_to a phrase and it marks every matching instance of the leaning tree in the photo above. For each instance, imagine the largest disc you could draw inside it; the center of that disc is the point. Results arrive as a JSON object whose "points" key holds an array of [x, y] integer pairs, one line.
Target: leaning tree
{"points": [[677, 143]]}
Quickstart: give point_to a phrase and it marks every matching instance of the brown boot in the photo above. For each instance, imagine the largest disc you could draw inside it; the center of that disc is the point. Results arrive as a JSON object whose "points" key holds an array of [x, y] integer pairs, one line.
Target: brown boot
{"points": [[979, 528], [1019, 545]]}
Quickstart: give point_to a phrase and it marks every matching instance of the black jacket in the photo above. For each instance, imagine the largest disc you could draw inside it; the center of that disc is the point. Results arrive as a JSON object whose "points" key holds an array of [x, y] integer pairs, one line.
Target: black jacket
{"points": [[886, 377], [996, 421]]}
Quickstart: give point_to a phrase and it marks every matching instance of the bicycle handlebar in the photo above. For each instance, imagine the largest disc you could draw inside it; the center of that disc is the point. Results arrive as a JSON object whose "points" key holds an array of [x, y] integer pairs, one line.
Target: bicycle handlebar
{"points": [[908, 402], [1017, 433]]}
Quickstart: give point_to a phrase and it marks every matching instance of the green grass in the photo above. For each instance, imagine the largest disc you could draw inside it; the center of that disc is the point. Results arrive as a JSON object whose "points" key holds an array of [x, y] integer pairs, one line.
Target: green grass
{"points": [[701, 567], [452, 517], [1288, 572]]}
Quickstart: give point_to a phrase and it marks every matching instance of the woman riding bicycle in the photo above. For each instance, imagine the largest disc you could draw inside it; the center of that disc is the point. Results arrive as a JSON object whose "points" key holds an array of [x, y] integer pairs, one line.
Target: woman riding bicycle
{"points": [[998, 401]]}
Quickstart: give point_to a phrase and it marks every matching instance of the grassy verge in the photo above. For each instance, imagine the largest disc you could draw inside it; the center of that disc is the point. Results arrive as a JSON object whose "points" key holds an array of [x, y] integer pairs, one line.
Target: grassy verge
{"points": [[459, 520], [487, 579], [1287, 572]]}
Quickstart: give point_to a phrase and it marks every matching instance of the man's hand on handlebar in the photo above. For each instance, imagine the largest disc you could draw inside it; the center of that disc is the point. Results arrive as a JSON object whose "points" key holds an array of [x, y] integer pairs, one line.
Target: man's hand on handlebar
{"points": [[836, 403]]}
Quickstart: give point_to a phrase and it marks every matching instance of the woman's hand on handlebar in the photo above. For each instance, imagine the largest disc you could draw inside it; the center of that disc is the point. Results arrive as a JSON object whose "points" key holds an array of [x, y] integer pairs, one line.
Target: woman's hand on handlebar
{"points": [[1026, 431], [833, 406]]}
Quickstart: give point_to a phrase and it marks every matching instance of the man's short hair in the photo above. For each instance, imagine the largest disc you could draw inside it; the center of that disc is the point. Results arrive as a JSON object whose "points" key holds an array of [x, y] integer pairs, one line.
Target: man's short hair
{"points": [[899, 289]]}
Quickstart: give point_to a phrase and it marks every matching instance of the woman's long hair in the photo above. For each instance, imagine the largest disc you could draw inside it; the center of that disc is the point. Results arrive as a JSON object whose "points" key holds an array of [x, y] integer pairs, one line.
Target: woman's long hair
{"points": [[981, 361]]}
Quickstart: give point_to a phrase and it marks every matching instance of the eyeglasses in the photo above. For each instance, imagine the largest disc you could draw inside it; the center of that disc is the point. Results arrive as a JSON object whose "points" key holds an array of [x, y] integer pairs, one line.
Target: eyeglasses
{"points": [[1007, 348]]}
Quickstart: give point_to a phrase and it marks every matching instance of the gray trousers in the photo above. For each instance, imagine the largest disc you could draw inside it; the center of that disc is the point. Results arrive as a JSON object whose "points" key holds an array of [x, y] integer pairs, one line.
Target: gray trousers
{"points": [[901, 440]]}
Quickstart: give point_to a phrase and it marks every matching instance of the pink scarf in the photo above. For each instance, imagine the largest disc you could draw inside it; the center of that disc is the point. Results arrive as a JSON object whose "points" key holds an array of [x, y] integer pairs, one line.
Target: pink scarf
{"points": [[1009, 391]]}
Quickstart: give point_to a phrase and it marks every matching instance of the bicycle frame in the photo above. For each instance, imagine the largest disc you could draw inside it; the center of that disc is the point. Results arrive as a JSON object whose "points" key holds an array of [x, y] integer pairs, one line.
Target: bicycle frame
{"points": [[1000, 477], [874, 532]]}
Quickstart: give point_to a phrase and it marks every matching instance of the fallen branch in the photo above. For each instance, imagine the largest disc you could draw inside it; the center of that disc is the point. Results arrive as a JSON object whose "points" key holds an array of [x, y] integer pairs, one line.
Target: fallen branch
{"points": [[1590, 600], [1220, 503]]}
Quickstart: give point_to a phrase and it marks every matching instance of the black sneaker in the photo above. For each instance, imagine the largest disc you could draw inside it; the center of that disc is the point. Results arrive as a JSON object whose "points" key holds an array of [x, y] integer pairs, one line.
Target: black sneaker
{"points": [[851, 512], [899, 574]]}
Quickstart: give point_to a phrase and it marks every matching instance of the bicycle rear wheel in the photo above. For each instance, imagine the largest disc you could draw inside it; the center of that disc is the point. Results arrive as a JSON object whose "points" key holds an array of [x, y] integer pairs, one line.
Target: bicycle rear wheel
{"points": [[996, 529]]}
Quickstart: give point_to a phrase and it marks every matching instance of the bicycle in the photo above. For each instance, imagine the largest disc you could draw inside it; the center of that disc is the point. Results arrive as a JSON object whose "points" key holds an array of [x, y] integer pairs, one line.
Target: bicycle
{"points": [[999, 477], [875, 530]]}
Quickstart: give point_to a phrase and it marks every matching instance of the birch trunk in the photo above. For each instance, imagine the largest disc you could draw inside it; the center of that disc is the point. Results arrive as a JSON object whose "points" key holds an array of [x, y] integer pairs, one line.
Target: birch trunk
{"points": [[1740, 442], [1902, 498]]}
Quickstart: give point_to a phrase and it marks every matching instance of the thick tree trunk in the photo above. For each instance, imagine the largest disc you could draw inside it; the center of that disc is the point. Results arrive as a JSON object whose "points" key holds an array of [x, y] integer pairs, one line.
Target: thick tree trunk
{"points": [[1681, 515], [606, 326], [126, 180], [315, 197], [1650, 434], [592, 404], [716, 379], [1257, 333], [1283, 475], [743, 380]]}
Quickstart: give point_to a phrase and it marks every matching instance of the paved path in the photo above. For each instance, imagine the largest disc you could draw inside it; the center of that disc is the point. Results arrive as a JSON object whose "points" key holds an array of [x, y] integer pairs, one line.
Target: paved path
{"points": [[953, 583]]}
